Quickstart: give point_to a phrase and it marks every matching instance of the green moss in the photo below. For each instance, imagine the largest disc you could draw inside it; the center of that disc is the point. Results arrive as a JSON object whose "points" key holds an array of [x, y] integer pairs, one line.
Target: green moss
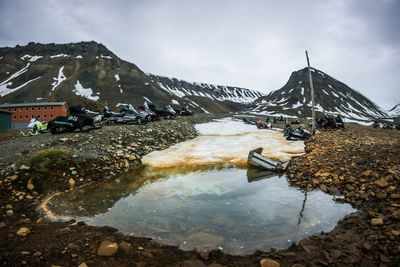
{"points": [[51, 159]]}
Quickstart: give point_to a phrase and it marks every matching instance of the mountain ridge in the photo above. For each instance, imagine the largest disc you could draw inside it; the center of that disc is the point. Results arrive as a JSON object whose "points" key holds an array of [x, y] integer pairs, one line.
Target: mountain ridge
{"points": [[89, 73], [332, 97]]}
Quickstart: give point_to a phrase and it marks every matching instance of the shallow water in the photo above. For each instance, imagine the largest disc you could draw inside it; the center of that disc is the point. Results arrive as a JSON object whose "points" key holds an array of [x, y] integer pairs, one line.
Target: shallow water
{"points": [[203, 199], [219, 207]]}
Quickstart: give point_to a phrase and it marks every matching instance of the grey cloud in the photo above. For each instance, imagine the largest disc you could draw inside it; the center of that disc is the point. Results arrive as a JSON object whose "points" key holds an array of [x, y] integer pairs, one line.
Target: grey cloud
{"points": [[253, 44]]}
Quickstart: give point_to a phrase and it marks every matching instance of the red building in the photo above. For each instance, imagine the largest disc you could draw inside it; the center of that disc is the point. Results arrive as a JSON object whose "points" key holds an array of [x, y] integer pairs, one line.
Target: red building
{"points": [[24, 112]]}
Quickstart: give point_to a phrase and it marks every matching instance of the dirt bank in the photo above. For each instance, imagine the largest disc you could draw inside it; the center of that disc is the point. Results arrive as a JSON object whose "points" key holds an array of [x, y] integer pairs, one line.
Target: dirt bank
{"points": [[359, 163]]}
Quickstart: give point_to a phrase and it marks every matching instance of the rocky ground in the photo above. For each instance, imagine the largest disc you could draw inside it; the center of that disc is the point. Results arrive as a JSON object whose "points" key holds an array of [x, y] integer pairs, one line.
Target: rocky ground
{"points": [[359, 165]]}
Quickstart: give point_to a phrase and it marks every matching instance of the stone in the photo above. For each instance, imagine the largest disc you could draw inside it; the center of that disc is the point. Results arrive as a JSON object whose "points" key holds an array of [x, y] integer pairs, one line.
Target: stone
{"points": [[377, 221], [2, 225], [13, 177], [380, 195], [205, 255], [71, 183], [334, 191], [298, 265], [125, 246], [64, 139], [396, 214], [382, 183], [194, 263], [396, 233], [9, 206], [107, 248], [24, 168], [30, 186], [10, 212], [269, 263], [73, 246], [289, 254], [23, 231], [395, 196], [82, 265]]}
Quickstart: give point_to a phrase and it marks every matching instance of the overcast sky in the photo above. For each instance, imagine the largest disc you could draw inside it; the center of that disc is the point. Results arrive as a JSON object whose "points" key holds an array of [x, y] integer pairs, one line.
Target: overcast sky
{"points": [[251, 44]]}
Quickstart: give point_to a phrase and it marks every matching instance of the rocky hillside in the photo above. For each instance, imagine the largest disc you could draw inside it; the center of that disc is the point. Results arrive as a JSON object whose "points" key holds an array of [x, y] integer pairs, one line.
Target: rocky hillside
{"points": [[331, 97], [89, 73]]}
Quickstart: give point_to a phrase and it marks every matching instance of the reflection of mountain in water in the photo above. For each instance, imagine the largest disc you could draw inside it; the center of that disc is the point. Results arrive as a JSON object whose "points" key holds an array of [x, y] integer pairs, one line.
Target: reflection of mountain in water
{"points": [[99, 197]]}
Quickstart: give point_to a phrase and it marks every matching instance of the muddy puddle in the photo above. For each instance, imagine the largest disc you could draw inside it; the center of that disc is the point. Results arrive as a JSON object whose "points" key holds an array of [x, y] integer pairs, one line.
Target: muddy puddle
{"points": [[207, 200]]}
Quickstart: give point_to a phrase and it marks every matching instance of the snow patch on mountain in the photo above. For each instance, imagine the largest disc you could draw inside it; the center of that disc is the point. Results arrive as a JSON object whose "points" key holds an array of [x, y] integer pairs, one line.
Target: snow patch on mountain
{"points": [[394, 111], [31, 58], [59, 79], [5, 85], [85, 92], [181, 88]]}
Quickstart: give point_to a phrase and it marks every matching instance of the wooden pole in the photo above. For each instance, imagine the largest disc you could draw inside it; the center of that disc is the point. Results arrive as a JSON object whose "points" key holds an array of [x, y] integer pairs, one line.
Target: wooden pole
{"points": [[312, 96]]}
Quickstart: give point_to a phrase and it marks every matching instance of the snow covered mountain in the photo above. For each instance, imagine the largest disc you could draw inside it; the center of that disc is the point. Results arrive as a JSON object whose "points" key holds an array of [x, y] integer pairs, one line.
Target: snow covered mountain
{"points": [[194, 91], [332, 97], [395, 111], [90, 74]]}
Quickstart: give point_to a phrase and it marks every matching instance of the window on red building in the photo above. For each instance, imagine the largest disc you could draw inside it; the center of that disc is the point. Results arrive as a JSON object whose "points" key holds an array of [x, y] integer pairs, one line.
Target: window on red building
{"points": [[33, 108], [15, 109], [45, 116], [38, 108], [20, 117], [26, 116], [45, 108], [26, 109], [20, 109], [51, 107], [15, 117]]}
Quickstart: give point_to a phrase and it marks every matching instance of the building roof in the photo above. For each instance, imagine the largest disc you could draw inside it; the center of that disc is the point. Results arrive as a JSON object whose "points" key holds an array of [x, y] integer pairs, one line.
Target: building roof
{"points": [[5, 111], [32, 104]]}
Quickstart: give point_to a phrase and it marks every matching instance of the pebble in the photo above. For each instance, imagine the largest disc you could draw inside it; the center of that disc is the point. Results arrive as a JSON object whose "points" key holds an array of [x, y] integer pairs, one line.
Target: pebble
{"points": [[376, 221], [23, 231], [269, 263], [10, 212], [107, 248]]}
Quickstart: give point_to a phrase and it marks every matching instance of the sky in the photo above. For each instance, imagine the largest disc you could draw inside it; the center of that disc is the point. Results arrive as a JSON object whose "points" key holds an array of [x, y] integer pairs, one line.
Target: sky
{"points": [[250, 43]]}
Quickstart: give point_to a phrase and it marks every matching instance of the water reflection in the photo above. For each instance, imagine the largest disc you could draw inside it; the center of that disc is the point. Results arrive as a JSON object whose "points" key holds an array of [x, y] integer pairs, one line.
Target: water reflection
{"points": [[209, 207]]}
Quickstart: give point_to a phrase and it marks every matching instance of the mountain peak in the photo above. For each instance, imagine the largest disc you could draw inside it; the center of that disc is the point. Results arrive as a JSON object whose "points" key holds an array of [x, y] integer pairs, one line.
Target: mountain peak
{"points": [[332, 97]]}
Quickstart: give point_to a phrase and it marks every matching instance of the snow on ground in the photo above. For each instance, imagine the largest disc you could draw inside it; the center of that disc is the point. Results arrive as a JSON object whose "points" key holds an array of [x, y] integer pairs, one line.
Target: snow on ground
{"points": [[85, 92], [116, 76], [79, 56], [4, 86], [175, 102], [57, 81], [216, 136], [60, 55]]}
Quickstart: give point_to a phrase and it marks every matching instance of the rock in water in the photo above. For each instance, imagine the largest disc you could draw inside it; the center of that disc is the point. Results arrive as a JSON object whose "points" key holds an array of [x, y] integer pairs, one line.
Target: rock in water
{"points": [[107, 248]]}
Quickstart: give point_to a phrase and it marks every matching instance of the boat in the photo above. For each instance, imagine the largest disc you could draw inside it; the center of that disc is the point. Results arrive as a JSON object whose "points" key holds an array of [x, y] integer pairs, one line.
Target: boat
{"points": [[257, 159]]}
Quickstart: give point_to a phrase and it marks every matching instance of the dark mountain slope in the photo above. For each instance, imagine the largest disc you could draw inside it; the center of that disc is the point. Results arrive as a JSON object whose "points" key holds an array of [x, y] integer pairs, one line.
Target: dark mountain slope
{"points": [[331, 97]]}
